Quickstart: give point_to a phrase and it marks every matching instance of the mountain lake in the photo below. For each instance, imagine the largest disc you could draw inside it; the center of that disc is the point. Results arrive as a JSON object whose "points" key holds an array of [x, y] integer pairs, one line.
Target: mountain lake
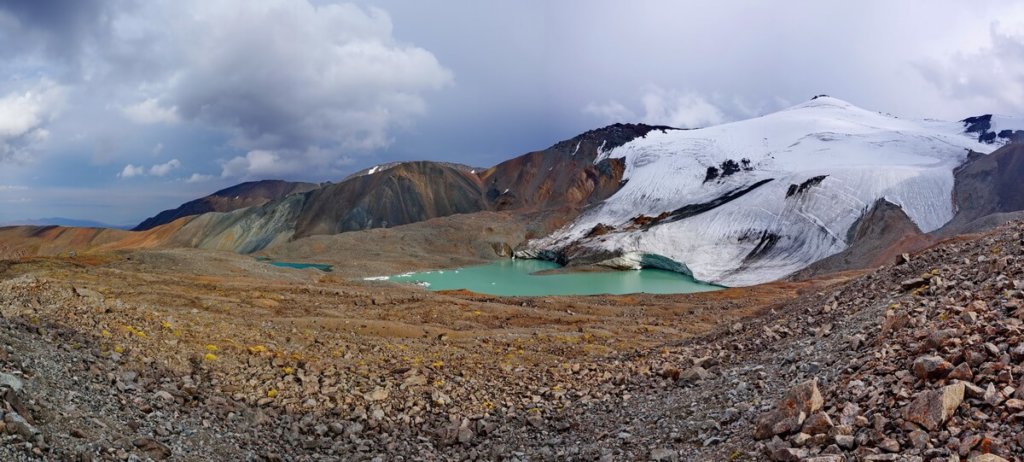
{"points": [[319, 266], [516, 278]]}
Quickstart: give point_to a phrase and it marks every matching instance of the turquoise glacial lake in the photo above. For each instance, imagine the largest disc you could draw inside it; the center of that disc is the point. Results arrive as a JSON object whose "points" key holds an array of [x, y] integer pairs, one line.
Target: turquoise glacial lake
{"points": [[319, 266], [516, 278]]}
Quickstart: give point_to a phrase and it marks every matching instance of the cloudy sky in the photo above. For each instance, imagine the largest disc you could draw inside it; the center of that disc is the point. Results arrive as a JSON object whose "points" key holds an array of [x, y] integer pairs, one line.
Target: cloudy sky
{"points": [[114, 110]]}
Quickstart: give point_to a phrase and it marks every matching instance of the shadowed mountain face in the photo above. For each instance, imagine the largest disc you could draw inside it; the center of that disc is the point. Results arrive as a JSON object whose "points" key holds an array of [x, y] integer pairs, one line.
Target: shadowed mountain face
{"points": [[233, 198], [553, 184], [403, 194], [988, 190], [562, 178], [564, 174]]}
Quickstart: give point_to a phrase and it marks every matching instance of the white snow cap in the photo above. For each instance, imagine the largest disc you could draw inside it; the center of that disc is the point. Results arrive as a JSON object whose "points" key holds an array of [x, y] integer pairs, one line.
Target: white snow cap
{"points": [[845, 157]]}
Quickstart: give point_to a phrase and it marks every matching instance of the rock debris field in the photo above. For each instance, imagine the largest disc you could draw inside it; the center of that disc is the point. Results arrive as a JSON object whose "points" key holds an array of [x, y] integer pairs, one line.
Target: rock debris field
{"points": [[107, 358]]}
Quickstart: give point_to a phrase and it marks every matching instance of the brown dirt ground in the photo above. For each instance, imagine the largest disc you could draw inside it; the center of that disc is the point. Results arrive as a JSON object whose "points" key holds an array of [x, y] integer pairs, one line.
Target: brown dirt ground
{"points": [[229, 299]]}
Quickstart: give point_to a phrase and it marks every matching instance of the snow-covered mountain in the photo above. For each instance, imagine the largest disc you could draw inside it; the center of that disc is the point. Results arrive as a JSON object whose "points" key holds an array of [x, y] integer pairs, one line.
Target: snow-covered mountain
{"points": [[753, 201]]}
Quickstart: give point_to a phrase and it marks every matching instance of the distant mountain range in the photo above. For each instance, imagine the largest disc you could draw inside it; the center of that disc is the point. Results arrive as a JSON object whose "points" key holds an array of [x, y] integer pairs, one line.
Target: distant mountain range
{"points": [[735, 204], [551, 185], [60, 221], [819, 187]]}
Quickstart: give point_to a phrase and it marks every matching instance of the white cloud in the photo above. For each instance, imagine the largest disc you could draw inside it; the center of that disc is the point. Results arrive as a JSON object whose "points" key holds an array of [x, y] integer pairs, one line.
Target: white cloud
{"points": [[150, 112], [164, 168], [315, 83], [612, 111], [992, 74], [199, 178], [258, 163], [664, 107], [10, 187], [24, 116], [131, 171], [311, 84], [679, 109]]}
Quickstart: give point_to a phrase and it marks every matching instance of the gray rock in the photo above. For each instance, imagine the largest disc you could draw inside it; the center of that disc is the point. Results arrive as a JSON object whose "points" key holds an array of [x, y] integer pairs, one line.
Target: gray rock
{"points": [[914, 283], [826, 458], [845, 441], [465, 435], [88, 293], [694, 374], [11, 381], [664, 455], [354, 428], [17, 425], [152, 448]]}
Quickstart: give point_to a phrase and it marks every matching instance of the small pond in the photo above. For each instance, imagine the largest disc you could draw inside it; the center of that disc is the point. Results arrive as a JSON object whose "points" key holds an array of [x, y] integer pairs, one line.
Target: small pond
{"points": [[319, 266], [516, 278]]}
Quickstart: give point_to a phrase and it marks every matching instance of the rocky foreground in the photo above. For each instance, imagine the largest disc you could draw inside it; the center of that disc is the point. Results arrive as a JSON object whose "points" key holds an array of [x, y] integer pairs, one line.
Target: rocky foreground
{"points": [[920, 360]]}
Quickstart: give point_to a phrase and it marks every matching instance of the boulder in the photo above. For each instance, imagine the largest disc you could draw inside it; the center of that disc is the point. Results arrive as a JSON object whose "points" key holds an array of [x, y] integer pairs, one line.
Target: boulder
{"points": [[931, 409], [791, 411], [961, 372], [931, 367], [153, 448], [818, 423], [11, 381], [694, 374]]}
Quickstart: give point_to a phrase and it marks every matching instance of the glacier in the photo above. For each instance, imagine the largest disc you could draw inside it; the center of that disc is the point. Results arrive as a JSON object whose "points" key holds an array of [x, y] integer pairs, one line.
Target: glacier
{"points": [[753, 201]]}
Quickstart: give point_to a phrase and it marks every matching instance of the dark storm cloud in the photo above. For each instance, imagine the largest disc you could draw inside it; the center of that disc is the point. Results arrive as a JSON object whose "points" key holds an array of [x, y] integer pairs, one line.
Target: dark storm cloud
{"points": [[305, 85], [58, 28]]}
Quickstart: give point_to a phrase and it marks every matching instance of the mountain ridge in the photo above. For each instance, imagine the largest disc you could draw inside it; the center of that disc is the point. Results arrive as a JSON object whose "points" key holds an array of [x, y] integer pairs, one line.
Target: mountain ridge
{"points": [[733, 204], [561, 181], [235, 197]]}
